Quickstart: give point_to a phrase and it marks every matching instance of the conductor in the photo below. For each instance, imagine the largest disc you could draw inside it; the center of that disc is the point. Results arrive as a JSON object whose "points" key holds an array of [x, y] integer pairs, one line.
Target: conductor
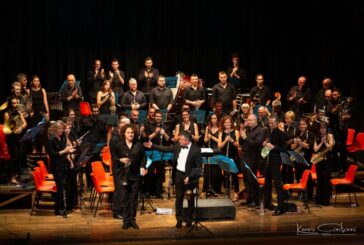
{"points": [[186, 160]]}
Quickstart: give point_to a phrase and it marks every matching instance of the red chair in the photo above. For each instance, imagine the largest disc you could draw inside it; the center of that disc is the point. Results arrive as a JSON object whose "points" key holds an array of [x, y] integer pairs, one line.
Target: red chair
{"points": [[4, 151], [347, 181], [300, 187], [313, 172], [85, 109], [106, 157], [41, 187], [351, 136], [101, 190], [44, 171], [358, 144]]}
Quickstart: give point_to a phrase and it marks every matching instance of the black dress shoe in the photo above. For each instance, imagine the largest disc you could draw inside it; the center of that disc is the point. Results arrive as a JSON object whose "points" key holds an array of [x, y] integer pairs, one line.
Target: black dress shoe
{"points": [[278, 212], [125, 226], [179, 225], [134, 225]]}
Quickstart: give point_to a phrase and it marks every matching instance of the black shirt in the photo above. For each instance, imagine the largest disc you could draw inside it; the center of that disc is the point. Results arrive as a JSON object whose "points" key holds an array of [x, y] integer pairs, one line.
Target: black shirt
{"points": [[161, 97], [264, 94], [225, 95], [53, 147], [129, 97]]}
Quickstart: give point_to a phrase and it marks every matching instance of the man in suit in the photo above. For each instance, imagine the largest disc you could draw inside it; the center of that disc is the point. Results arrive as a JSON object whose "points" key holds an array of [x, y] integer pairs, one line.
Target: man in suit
{"points": [[186, 163]]}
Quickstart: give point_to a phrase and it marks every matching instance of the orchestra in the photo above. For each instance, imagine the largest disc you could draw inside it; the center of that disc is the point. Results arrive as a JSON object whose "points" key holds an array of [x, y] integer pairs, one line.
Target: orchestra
{"points": [[315, 130]]}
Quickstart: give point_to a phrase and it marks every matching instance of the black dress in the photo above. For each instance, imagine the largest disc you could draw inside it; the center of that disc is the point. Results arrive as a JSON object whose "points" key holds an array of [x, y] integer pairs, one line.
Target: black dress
{"points": [[212, 172], [323, 170], [37, 106], [231, 151], [104, 108]]}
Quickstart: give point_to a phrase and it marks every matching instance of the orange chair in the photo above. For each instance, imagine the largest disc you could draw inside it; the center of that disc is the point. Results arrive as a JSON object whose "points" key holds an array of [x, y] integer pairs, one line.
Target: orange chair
{"points": [[358, 144], [41, 178], [313, 172], [85, 109], [44, 171], [104, 178], [350, 138], [260, 178], [300, 187], [347, 181], [40, 188], [106, 157], [101, 190]]}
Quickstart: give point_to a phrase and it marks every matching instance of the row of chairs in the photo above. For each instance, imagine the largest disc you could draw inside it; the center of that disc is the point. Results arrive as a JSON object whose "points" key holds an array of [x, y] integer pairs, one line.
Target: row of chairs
{"points": [[347, 181]]}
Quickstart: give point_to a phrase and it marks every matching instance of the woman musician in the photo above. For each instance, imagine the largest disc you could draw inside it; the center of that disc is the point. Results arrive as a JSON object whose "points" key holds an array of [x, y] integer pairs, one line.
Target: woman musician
{"points": [[229, 143], [187, 125], [211, 139], [289, 131], [303, 144], [324, 142]]}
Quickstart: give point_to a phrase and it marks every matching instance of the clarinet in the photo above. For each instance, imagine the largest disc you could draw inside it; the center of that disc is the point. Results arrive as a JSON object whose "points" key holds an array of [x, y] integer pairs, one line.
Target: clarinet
{"points": [[228, 146]]}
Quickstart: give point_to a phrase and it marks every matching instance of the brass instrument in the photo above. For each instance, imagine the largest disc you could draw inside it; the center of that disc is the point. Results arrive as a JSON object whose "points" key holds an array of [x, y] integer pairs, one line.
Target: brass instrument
{"points": [[4, 106], [14, 123], [320, 156]]}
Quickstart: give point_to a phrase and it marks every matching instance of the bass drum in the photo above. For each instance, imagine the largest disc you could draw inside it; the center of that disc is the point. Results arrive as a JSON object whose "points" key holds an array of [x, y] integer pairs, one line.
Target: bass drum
{"points": [[183, 82]]}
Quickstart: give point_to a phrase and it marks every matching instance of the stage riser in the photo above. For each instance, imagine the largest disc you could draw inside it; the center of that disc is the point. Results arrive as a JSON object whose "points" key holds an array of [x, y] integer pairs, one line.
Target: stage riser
{"points": [[212, 209]]}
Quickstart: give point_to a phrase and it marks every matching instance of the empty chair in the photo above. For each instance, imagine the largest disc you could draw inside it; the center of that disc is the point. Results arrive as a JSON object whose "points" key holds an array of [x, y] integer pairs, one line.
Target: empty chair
{"points": [[347, 182], [85, 109], [41, 188], [358, 144], [44, 171], [351, 136], [300, 187], [101, 190]]}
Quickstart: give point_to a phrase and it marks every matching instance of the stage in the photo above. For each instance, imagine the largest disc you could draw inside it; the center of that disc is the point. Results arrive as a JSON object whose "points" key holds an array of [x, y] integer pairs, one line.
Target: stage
{"points": [[18, 227]]}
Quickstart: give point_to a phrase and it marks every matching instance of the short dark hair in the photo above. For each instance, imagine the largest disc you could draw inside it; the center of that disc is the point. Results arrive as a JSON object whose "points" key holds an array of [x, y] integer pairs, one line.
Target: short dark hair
{"points": [[186, 134]]}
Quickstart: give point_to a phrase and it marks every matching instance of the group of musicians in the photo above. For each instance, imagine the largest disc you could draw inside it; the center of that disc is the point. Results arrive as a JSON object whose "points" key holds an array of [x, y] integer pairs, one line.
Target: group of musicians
{"points": [[240, 130]]}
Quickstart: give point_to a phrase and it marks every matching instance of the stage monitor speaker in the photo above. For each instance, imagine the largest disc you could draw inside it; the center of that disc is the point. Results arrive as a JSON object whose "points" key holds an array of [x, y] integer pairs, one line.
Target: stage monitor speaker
{"points": [[210, 209]]}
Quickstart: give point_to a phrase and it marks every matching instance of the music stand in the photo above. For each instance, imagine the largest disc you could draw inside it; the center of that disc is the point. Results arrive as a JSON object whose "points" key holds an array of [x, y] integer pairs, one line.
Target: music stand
{"points": [[196, 173], [228, 165], [209, 162], [298, 158], [151, 157]]}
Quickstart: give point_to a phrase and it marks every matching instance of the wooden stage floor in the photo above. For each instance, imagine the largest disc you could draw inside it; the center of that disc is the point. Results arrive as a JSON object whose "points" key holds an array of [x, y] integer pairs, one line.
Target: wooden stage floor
{"points": [[249, 227]]}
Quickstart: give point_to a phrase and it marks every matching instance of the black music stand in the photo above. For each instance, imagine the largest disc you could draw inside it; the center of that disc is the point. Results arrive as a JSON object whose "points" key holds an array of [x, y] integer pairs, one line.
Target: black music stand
{"points": [[228, 165], [196, 173], [142, 197], [298, 158], [210, 189]]}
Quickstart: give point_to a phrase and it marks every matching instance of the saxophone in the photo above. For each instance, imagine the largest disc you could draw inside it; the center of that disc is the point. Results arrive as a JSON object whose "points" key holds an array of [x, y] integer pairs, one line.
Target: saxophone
{"points": [[320, 156]]}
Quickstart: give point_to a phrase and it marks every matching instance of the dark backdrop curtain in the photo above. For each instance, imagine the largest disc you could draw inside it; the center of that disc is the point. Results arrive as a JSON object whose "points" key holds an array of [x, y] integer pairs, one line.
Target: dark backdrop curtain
{"points": [[281, 39]]}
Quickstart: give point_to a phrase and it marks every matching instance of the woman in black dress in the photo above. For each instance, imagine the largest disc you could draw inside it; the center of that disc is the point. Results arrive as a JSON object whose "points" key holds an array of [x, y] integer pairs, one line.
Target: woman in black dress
{"points": [[212, 173], [323, 158]]}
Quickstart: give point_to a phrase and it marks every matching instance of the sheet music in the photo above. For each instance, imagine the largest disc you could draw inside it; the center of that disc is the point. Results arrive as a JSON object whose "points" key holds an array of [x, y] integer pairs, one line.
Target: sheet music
{"points": [[206, 150]]}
